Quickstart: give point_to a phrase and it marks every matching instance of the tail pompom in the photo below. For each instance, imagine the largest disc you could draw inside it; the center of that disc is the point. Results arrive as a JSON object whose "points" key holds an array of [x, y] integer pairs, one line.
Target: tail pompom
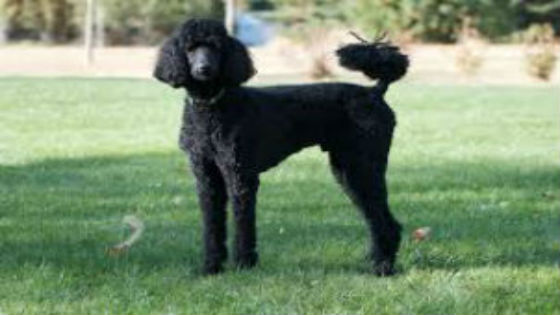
{"points": [[378, 60]]}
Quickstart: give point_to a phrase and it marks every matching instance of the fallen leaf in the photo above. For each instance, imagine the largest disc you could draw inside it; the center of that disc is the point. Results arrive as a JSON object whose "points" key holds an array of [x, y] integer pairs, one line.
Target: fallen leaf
{"points": [[421, 234]]}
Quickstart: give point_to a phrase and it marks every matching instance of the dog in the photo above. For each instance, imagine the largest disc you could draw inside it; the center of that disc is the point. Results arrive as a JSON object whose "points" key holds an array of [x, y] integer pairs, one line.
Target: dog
{"points": [[233, 133]]}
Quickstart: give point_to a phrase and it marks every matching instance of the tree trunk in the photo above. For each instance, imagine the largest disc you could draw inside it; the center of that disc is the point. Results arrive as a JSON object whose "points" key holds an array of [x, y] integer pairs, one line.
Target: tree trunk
{"points": [[88, 31], [99, 26], [230, 16], [3, 30]]}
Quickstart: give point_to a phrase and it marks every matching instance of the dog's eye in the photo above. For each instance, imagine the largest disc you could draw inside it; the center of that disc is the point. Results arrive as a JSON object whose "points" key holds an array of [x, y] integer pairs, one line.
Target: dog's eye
{"points": [[190, 48], [207, 46], [213, 42]]}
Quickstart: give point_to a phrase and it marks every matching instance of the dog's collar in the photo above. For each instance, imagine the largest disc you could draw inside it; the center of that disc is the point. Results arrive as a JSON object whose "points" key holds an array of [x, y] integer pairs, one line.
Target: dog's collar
{"points": [[207, 102]]}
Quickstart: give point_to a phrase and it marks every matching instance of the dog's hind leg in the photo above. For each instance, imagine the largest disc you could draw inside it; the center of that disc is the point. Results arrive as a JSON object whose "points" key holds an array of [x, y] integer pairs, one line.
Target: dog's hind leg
{"points": [[212, 198], [363, 179]]}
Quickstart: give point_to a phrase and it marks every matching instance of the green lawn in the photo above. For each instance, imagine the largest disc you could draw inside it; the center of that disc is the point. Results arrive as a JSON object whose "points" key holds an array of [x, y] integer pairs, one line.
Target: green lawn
{"points": [[479, 165]]}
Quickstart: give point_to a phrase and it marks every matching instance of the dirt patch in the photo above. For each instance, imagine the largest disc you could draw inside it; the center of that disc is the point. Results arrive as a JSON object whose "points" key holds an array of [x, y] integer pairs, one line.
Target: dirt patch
{"points": [[502, 64]]}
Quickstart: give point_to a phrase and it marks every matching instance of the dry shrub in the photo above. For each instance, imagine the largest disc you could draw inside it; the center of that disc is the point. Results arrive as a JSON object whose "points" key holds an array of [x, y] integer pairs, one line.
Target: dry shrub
{"points": [[469, 49], [317, 38], [540, 54], [403, 39], [320, 67]]}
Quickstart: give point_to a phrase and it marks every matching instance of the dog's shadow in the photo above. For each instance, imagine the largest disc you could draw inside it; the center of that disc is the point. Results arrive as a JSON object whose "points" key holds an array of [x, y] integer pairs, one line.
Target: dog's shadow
{"points": [[65, 213]]}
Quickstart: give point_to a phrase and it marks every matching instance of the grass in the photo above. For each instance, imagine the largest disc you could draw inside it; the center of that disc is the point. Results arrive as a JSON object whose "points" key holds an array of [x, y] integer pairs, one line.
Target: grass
{"points": [[479, 165]]}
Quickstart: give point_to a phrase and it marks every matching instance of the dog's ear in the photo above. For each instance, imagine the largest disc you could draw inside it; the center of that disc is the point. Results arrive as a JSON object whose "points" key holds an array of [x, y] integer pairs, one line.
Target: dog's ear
{"points": [[237, 65], [172, 66]]}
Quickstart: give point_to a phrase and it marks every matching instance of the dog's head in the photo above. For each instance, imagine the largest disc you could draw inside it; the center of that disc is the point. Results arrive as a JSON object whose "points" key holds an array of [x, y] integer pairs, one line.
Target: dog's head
{"points": [[200, 52]]}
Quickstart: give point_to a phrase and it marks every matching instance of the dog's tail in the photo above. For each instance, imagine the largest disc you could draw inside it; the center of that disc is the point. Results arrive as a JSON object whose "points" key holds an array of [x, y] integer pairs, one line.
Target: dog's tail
{"points": [[378, 60]]}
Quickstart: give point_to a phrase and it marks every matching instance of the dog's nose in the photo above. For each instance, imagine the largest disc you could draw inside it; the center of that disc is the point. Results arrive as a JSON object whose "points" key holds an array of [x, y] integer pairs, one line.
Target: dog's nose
{"points": [[204, 69]]}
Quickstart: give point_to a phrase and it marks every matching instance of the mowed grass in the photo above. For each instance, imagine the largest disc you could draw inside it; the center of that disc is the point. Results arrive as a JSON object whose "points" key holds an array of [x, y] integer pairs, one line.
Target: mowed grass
{"points": [[479, 165]]}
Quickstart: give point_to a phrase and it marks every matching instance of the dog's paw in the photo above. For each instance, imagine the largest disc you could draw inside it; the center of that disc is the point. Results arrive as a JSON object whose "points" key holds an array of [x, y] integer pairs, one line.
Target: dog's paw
{"points": [[212, 269], [246, 261], [384, 269]]}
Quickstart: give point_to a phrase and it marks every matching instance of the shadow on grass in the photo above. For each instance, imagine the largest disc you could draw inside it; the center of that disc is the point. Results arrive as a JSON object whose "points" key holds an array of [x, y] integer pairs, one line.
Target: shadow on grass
{"points": [[65, 213]]}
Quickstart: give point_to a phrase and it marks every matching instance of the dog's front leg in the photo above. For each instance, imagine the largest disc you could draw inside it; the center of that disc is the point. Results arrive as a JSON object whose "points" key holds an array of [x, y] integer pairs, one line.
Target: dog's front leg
{"points": [[212, 198], [243, 193]]}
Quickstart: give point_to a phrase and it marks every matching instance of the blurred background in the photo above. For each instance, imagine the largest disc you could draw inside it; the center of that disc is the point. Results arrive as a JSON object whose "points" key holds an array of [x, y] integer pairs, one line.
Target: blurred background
{"points": [[465, 41], [87, 138]]}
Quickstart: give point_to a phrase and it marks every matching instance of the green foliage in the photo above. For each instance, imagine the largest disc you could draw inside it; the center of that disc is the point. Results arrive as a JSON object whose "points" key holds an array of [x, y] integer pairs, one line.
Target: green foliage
{"points": [[294, 12], [435, 20], [495, 19], [148, 21], [429, 20], [126, 22], [48, 20], [304, 20], [479, 165], [542, 12], [259, 5]]}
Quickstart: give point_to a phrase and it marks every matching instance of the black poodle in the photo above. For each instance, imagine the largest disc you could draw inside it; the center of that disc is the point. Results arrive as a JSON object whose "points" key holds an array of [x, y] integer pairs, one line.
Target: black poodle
{"points": [[233, 133]]}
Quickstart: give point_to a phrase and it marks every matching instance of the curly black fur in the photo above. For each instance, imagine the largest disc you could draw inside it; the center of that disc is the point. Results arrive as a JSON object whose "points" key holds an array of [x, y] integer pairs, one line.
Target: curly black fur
{"points": [[377, 60], [234, 133], [172, 66]]}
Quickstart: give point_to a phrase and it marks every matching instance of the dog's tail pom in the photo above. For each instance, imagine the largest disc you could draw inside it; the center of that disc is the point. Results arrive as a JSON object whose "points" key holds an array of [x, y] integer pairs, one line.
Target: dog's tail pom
{"points": [[378, 60]]}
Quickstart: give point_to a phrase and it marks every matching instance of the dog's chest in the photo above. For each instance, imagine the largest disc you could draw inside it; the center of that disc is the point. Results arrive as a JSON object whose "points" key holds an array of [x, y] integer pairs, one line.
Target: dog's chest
{"points": [[207, 133]]}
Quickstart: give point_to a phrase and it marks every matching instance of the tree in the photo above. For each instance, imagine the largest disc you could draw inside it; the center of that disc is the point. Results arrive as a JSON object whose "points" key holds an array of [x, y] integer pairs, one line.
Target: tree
{"points": [[47, 20], [229, 20], [543, 12], [89, 30], [149, 21], [436, 20]]}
